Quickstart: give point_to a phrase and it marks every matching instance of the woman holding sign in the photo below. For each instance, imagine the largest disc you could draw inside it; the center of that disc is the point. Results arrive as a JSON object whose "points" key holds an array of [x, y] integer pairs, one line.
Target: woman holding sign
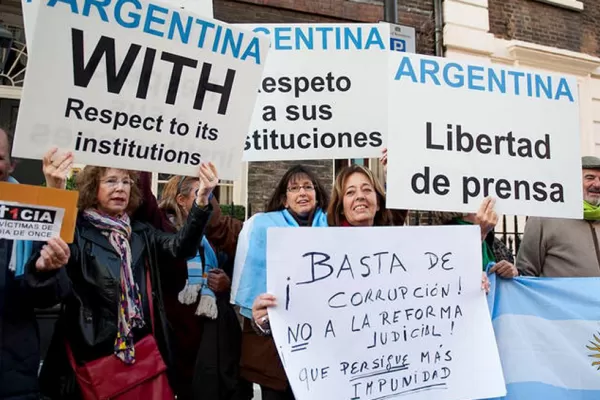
{"points": [[358, 199], [299, 200], [110, 340]]}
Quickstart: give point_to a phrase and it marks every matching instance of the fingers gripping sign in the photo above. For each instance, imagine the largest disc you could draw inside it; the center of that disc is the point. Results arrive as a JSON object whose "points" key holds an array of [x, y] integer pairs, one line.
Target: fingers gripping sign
{"points": [[209, 179], [56, 168], [486, 216], [53, 255]]}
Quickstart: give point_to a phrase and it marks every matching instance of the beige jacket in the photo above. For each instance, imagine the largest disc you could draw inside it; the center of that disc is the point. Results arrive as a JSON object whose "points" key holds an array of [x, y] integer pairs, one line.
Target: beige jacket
{"points": [[553, 247]]}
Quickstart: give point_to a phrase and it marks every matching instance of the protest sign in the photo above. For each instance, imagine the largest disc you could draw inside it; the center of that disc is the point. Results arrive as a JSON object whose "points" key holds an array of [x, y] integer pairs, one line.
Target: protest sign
{"points": [[30, 9], [142, 86], [37, 213], [200, 7], [323, 93], [463, 131], [382, 313]]}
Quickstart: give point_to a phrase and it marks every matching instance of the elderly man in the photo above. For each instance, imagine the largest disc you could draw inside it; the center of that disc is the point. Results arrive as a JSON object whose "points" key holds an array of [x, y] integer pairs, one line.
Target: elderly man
{"points": [[19, 339], [554, 247]]}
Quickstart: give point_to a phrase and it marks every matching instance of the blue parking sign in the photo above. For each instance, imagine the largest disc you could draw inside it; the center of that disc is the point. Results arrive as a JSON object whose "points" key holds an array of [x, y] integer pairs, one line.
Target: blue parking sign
{"points": [[397, 44]]}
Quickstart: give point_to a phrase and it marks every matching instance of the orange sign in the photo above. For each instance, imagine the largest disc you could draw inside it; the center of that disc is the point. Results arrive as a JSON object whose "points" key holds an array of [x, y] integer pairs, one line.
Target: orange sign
{"points": [[15, 199]]}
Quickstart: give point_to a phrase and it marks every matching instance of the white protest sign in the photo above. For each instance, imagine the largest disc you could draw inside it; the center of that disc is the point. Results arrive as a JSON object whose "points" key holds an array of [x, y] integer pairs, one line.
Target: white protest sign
{"points": [[29, 222], [461, 131], [30, 10], [382, 313], [323, 93], [140, 86], [200, 7]]}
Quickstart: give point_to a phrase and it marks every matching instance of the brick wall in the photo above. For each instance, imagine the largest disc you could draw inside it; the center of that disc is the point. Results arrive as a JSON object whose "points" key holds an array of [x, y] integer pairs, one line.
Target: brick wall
{"points": [[546, 24], [264, 176]]}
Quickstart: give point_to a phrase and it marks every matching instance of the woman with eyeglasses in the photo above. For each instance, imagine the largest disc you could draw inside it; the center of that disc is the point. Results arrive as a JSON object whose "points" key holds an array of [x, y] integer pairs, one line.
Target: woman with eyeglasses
{"points": [[113, 317], [206, 331], [299, 200]]}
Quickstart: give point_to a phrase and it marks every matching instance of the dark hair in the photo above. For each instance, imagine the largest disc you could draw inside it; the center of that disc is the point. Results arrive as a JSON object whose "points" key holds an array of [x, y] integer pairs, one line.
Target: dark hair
{"points": [[383, 217], [277, 200], [88, 182]]}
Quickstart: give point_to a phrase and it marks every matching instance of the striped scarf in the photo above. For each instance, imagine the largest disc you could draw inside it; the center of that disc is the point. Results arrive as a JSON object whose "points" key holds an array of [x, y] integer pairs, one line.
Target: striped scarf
{"points": [[130, 302]]}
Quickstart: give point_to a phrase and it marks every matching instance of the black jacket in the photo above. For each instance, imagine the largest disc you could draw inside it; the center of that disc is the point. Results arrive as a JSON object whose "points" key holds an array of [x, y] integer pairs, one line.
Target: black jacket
{"points": [[89, 317], [19, 337]]}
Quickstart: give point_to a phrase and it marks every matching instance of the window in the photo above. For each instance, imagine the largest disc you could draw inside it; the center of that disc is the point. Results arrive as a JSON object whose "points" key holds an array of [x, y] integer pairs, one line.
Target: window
{"points": [[225, 192], [162, 181]]}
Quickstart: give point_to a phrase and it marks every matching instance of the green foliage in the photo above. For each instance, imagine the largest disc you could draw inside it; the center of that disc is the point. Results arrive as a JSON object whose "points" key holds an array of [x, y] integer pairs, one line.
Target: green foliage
{"points": [[70, 183], [235, 211]]}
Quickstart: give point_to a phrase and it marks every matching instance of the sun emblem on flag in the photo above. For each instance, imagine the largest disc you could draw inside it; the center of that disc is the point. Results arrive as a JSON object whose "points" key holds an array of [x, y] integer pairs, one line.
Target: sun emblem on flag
{"points": [[595, 349]]}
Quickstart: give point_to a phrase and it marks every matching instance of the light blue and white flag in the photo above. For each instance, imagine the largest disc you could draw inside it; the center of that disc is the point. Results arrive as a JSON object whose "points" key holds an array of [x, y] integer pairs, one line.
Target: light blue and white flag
{"points": [[250, 266], [548, 335]]}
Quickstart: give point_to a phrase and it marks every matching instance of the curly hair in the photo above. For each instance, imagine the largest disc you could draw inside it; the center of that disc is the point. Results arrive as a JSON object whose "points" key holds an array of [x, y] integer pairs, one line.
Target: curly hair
{"points": [[88, 183], [277, 200], [383, 217], [176, 185]]}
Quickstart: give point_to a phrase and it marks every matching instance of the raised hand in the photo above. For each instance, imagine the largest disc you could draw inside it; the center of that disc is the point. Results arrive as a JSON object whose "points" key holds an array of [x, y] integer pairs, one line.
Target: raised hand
{"points": [[486, 217], [209, 179], [384, 160], [56, 168]]}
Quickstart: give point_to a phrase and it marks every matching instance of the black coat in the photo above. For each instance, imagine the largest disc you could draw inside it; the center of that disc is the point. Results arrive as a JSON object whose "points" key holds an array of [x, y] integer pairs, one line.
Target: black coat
{"points": [[89, 317], [19, 336]]}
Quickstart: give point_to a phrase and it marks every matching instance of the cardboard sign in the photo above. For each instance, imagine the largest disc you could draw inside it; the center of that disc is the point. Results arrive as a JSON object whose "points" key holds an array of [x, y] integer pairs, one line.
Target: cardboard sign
{"points": [[382, 313], [37, 213], [463, 131], [323, 93], [144, 86]]}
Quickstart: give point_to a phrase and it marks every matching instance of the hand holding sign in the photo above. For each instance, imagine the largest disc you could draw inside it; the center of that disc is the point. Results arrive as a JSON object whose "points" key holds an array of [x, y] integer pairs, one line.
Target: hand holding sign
{"points": [[486, 217], [53, 255], [383, 160], [56, 168], [209, 179], [260, 306]]}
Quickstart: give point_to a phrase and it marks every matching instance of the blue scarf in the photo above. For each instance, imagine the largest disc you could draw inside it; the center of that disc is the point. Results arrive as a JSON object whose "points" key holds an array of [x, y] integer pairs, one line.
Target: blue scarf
{"points": [[250, 269], [197, 282], [21, 250]]}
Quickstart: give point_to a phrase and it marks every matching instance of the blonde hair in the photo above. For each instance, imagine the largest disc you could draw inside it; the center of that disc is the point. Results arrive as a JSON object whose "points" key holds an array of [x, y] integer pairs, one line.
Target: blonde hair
{"points": [[177, 185], [335, 212]]}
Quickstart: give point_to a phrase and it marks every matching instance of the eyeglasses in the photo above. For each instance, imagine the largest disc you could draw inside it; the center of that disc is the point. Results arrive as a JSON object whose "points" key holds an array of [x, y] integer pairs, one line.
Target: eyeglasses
{"points": [[296, 188], [114, 182]]}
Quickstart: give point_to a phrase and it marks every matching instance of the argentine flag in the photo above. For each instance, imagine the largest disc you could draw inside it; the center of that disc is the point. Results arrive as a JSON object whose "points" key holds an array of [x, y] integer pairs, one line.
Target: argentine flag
{"points": [[548, 335]]}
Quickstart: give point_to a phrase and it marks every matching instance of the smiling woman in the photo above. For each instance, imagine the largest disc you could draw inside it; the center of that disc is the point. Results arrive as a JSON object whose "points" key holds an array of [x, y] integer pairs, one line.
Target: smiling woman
{"points": [[358, 199]]}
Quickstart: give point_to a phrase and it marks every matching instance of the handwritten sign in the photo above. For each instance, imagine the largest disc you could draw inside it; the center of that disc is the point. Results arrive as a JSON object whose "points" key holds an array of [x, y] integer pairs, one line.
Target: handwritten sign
{"points": [[149, 87], [380, 313], [477, 130]]}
